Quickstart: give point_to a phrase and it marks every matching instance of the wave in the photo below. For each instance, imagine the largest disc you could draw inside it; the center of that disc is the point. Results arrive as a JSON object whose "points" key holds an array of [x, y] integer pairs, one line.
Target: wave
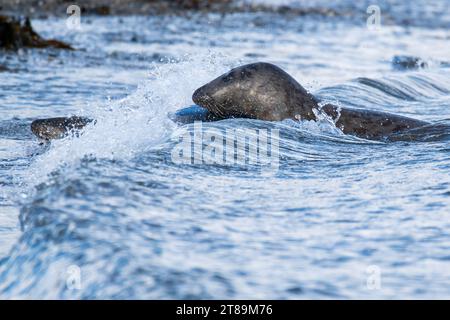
{"points": [[412, 94], [106, 206], [139, 122]]}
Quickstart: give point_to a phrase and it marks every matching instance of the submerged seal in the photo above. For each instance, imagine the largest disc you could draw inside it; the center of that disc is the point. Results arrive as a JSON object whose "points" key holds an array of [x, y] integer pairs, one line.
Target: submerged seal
{"points": [[266, 92]]}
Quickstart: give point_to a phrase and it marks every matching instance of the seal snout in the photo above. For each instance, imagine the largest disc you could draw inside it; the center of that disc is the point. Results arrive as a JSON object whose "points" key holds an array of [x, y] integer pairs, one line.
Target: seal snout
{"points": [[200, 97]]}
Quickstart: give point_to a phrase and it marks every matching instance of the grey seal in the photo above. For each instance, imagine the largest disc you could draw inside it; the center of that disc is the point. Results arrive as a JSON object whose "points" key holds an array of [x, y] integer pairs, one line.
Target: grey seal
{"points": [[57, 128], [264, 91]]}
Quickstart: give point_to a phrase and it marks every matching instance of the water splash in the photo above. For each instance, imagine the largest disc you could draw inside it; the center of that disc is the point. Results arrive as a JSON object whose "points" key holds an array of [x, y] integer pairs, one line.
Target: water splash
{"points": [[134, 124]]}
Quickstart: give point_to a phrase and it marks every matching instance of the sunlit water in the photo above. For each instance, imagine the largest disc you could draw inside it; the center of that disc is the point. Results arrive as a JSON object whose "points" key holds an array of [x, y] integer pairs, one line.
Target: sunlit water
{"points": [[111, 214]]}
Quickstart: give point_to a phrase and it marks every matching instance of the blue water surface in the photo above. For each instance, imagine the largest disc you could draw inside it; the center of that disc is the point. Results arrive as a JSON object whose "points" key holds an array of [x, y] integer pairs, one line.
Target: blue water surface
{"points": [[110, 214]]}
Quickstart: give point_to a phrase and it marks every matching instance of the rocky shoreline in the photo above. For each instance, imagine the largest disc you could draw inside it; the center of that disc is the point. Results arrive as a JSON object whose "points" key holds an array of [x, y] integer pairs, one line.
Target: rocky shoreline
{"points": [[45, 8], [16, 33]]}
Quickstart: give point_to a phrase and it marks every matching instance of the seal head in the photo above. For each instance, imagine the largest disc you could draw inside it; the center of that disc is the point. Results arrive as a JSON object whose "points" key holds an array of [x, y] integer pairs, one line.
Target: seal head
{"points": [[58, 128], [258, 90]]}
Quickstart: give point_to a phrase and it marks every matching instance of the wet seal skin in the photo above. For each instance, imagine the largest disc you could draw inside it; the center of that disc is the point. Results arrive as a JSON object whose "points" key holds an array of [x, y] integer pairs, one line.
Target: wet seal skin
{"points": [[58, 128], [264, 91]]}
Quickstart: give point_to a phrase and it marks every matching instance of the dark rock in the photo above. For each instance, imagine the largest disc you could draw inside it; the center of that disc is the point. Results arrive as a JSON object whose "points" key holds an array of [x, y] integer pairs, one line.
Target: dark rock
{"points": [[103, 10], [16, 34], [200, 4], [408, 63]]}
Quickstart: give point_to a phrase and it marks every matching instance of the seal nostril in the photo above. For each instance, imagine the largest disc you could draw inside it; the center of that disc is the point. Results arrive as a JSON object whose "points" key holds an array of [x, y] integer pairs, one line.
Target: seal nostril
{"points": [[200, 97], [197, 96]]}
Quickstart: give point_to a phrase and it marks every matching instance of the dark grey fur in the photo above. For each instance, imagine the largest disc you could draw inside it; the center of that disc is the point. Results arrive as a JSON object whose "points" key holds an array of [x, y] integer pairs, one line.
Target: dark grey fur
{"points": [[264, 91], [57, 128]]}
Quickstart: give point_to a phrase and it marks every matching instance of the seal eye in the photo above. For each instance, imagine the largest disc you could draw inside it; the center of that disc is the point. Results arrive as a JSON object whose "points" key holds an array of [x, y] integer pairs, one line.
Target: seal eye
{"points": [[227, 78], [245, 74]]}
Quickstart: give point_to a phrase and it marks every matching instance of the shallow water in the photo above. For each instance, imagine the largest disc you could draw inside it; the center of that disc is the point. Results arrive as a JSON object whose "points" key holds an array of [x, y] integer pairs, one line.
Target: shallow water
{"points": [[111, 215]]}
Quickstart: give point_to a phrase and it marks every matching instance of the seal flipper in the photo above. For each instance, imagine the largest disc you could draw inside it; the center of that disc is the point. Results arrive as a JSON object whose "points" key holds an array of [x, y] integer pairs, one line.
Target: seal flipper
{"points": [[192, 114], [58, 128]]}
